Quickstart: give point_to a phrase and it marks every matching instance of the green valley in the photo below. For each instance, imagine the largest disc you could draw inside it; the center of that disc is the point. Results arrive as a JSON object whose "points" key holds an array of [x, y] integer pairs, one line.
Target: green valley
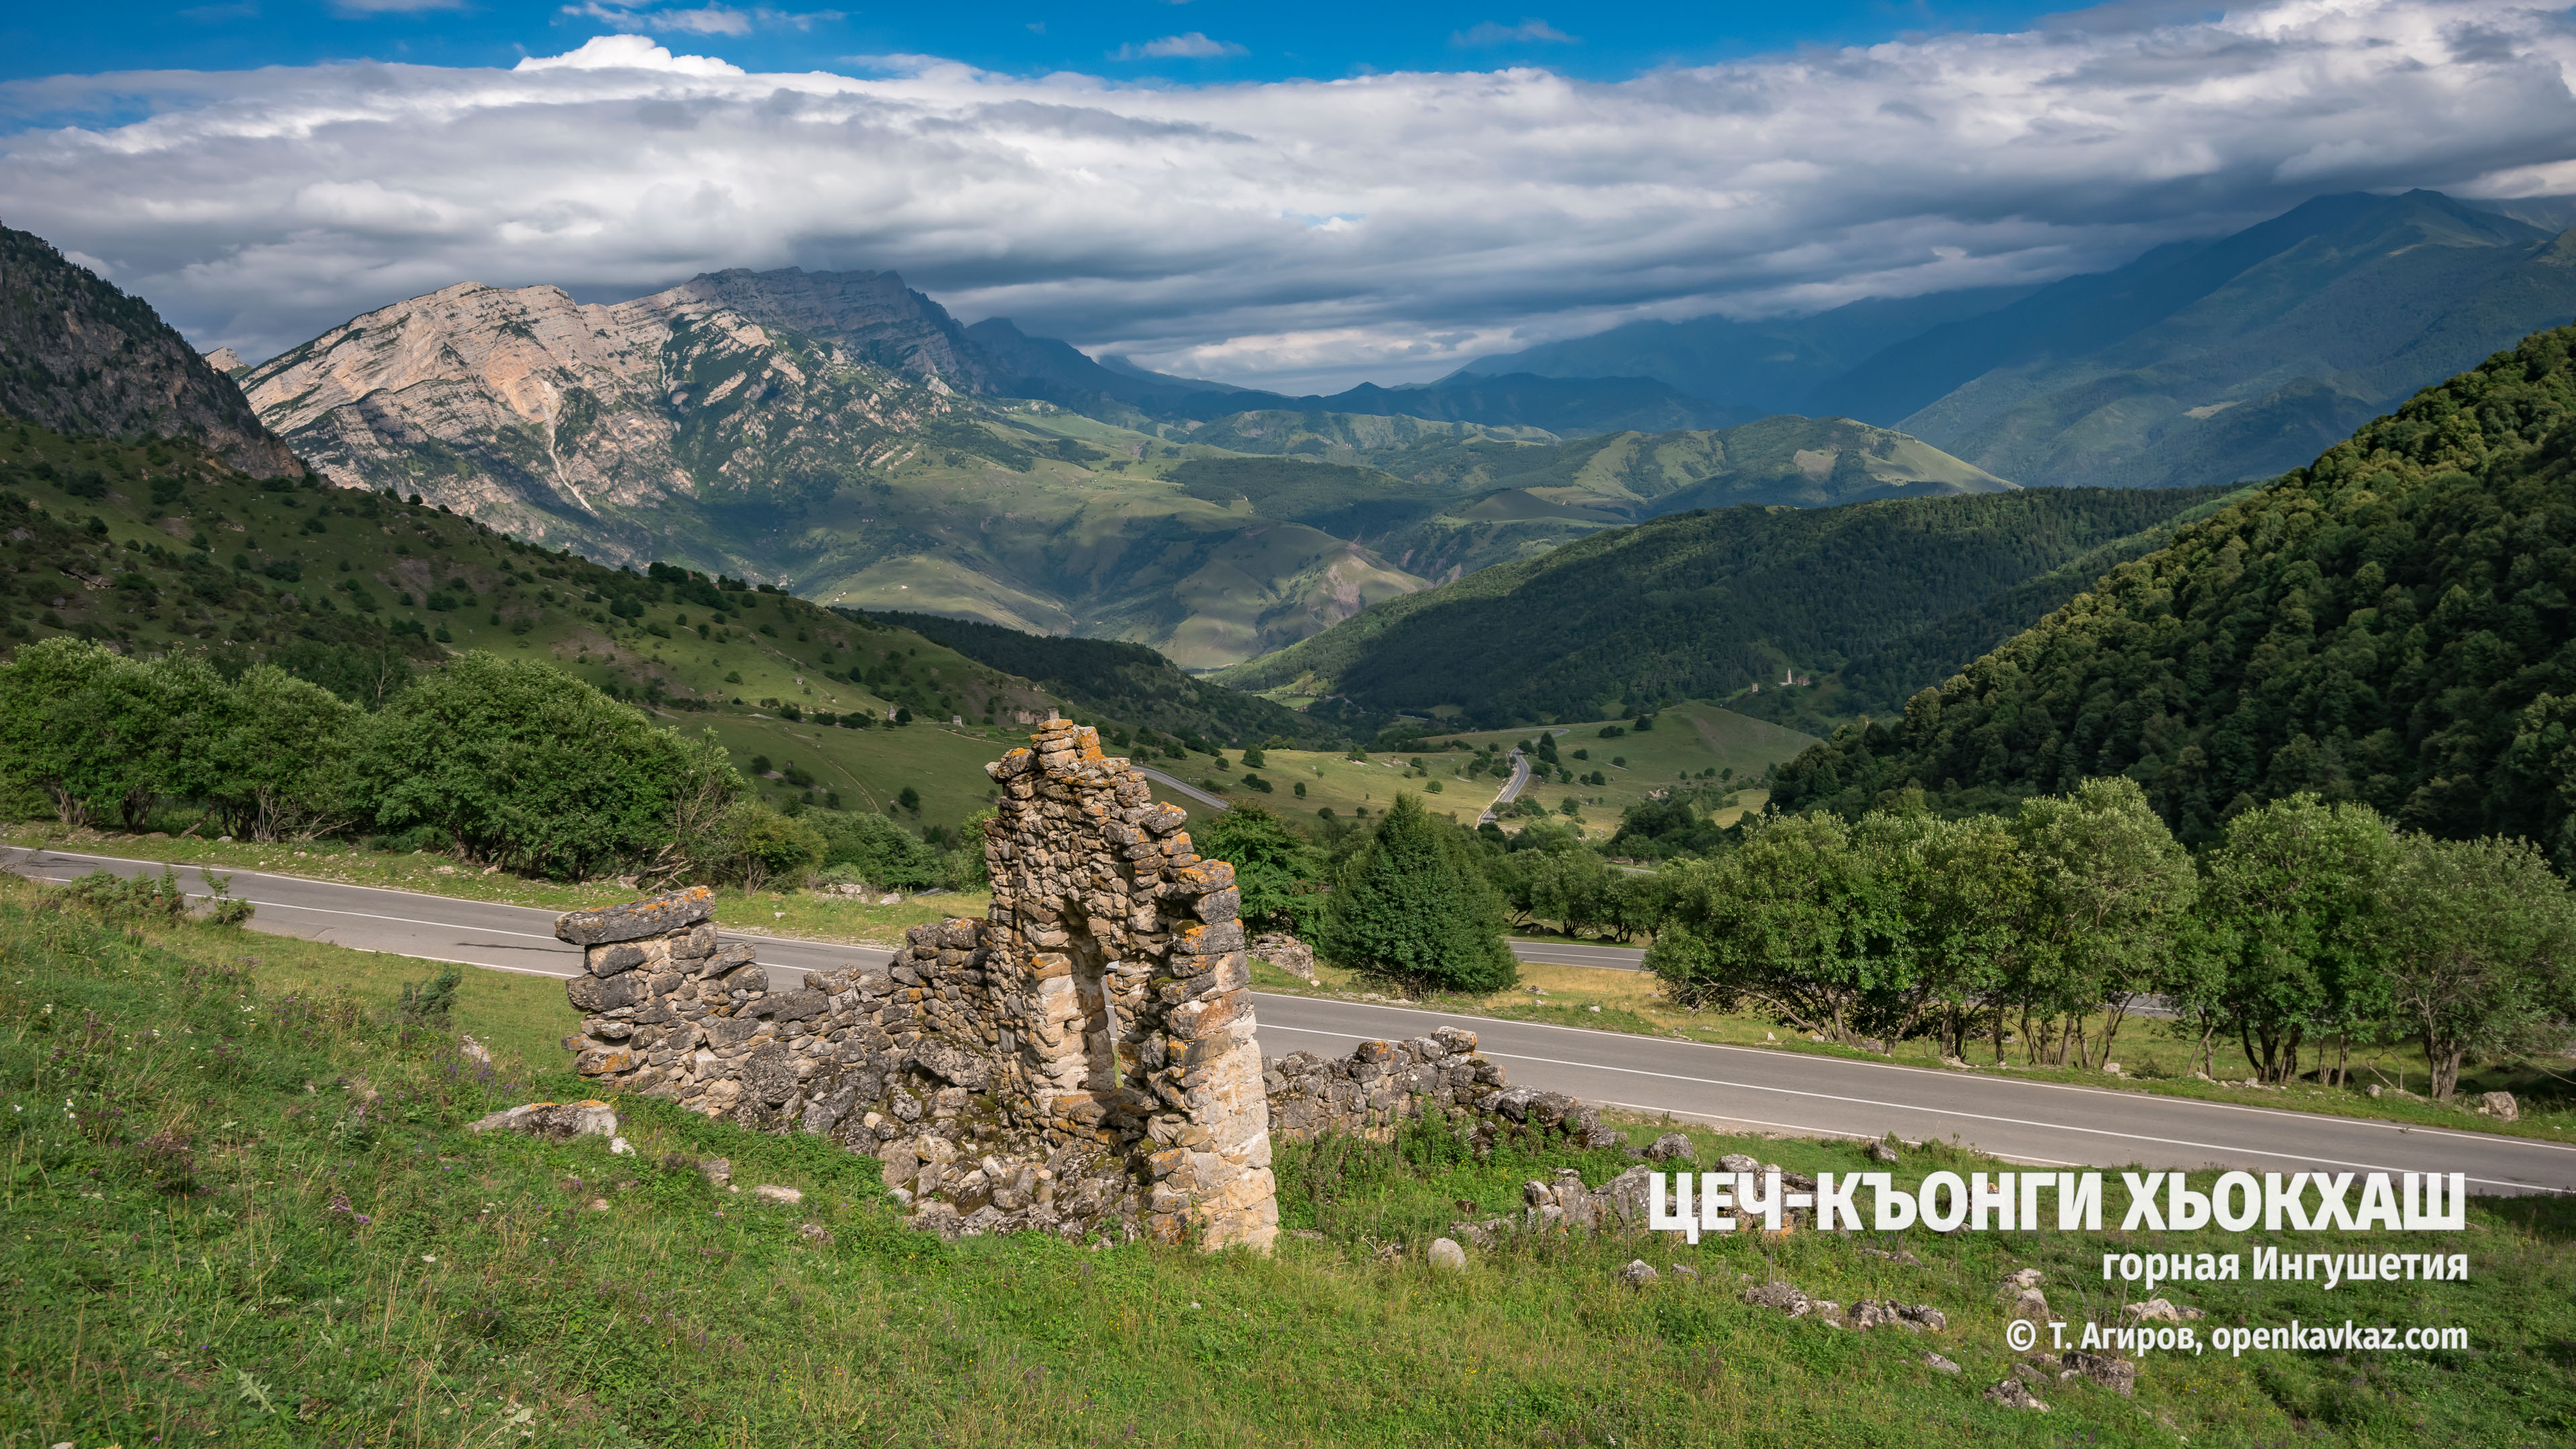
{"points": [[1719, 604]]}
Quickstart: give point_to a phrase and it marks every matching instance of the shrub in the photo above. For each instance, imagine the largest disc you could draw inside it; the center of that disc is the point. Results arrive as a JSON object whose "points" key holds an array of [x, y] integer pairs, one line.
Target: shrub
{"points": [[1412, 904]]}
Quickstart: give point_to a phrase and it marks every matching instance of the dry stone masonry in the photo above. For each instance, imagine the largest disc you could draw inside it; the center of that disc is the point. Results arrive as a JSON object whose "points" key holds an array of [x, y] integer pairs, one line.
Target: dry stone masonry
{"points": [[1081, 1061]]}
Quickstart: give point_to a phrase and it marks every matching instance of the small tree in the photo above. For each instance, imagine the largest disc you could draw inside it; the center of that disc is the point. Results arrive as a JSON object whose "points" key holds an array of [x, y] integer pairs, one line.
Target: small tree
{"points": [[1797, 924], [280, 767], [764, 847], [2481, 940], [2296, 892], [1412, 904], [2112, 887], [1277, 871]]}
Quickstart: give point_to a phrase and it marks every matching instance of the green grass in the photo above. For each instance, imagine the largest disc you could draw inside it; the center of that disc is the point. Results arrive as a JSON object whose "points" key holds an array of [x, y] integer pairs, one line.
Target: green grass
{"points": [[1688, 738], [330, 1258]]}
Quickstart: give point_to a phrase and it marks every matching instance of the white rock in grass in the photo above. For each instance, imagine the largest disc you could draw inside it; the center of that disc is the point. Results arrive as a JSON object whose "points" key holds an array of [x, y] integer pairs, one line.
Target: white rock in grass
{"points": [[1445, 1253]]}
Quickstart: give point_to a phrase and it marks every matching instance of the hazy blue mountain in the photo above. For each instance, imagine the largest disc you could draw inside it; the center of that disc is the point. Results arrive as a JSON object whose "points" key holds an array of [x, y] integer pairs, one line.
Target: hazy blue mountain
{"points": [[1769, 366], [2258, 352], [2200, 362], [1566, 406]]}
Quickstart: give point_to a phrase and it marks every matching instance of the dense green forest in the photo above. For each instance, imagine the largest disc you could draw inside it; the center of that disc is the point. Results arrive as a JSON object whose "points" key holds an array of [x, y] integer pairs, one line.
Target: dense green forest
{"points": [[2388, 625], [1702, 605], [1119, 681]]}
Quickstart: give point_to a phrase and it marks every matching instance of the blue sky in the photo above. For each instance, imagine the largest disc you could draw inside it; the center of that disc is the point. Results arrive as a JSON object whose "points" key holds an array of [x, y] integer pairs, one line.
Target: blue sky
{"points": [[1295, 197], [1191, 43]]}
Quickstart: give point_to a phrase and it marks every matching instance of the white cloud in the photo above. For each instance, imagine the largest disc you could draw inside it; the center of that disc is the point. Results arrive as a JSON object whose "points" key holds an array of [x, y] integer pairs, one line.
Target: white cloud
{"points": [[705, 20], [1192, 46], [627, 52], [1298, 233], [1528, 32]]}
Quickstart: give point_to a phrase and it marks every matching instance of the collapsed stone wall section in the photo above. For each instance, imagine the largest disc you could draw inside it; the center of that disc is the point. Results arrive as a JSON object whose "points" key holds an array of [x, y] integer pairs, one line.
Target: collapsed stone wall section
{"points": [[1083, 1061], [1375, 1090]]}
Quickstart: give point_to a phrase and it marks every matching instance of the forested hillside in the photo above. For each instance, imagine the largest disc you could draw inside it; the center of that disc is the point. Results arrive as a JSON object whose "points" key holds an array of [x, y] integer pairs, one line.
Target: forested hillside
{"points": [[1702, 605], [2390, 624]]}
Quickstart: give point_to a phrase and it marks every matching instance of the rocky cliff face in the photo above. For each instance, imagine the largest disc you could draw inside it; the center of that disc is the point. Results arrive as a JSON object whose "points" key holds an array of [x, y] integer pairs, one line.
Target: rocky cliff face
{"points": [[584, 423], [81, 357]]}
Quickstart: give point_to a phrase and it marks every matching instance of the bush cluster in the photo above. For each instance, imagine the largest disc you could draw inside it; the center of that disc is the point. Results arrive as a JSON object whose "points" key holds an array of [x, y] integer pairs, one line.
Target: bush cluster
{"points": [[500, 761], [2306, 923]]}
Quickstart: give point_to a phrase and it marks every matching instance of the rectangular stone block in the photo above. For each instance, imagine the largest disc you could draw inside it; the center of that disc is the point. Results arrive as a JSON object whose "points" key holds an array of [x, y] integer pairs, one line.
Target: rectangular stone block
{"points": [[594, 993], [635, 920], [613, 960]]}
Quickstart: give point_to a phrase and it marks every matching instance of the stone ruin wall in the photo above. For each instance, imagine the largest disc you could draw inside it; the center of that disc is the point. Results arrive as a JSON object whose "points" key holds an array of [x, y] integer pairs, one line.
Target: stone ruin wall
{"points": [[1082, 1061]]}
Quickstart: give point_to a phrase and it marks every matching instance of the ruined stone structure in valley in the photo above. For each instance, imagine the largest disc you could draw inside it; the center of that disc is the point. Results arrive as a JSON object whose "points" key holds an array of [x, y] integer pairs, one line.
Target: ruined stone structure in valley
{"points": [[1082, 1061]]}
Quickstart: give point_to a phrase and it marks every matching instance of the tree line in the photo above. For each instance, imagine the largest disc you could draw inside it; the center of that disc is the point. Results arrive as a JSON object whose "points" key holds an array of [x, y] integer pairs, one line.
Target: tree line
{"points": [[2308, 926], [502, 762], [2308, 930]]}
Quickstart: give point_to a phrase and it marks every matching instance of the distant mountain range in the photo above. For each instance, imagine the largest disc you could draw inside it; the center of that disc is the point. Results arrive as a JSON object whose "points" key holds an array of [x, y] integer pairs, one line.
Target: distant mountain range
{"points": [[2200, 362], [841, 433]]}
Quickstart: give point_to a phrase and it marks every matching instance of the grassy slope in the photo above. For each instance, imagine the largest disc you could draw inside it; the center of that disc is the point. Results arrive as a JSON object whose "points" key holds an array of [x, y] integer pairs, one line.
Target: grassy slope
{"points": [[1690, 738], [351, 1265]]}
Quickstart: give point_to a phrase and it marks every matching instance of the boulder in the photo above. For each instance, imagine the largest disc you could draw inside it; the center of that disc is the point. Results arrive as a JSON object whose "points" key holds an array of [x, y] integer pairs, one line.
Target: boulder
{"points": [[1445, 1253], [559, 1120], [2499, 1105], [2116, 1374], [1938, 1364], [772, 1192], [1671, 1147], [952, 1063], [1881, 1152], [1776, 1294], [2014, 1394], [1637, 1274]]}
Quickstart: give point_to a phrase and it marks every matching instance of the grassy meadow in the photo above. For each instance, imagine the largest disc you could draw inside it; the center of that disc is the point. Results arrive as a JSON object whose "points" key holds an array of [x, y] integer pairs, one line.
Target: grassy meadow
{"points": [[244, 1210], [1692, 740]]}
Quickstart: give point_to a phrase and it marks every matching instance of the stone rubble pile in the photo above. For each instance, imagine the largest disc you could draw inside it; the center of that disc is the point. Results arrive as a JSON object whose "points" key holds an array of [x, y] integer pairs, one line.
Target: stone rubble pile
{"points": [[1374, 1090], [1866, 1314], [1285, 952]]}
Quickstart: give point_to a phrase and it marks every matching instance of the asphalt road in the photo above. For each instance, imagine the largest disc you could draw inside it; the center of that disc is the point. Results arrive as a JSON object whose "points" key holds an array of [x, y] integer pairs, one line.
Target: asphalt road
{"points": [[1176, 783], [1768, 1090], [1511, 788], [1561, 953]]}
